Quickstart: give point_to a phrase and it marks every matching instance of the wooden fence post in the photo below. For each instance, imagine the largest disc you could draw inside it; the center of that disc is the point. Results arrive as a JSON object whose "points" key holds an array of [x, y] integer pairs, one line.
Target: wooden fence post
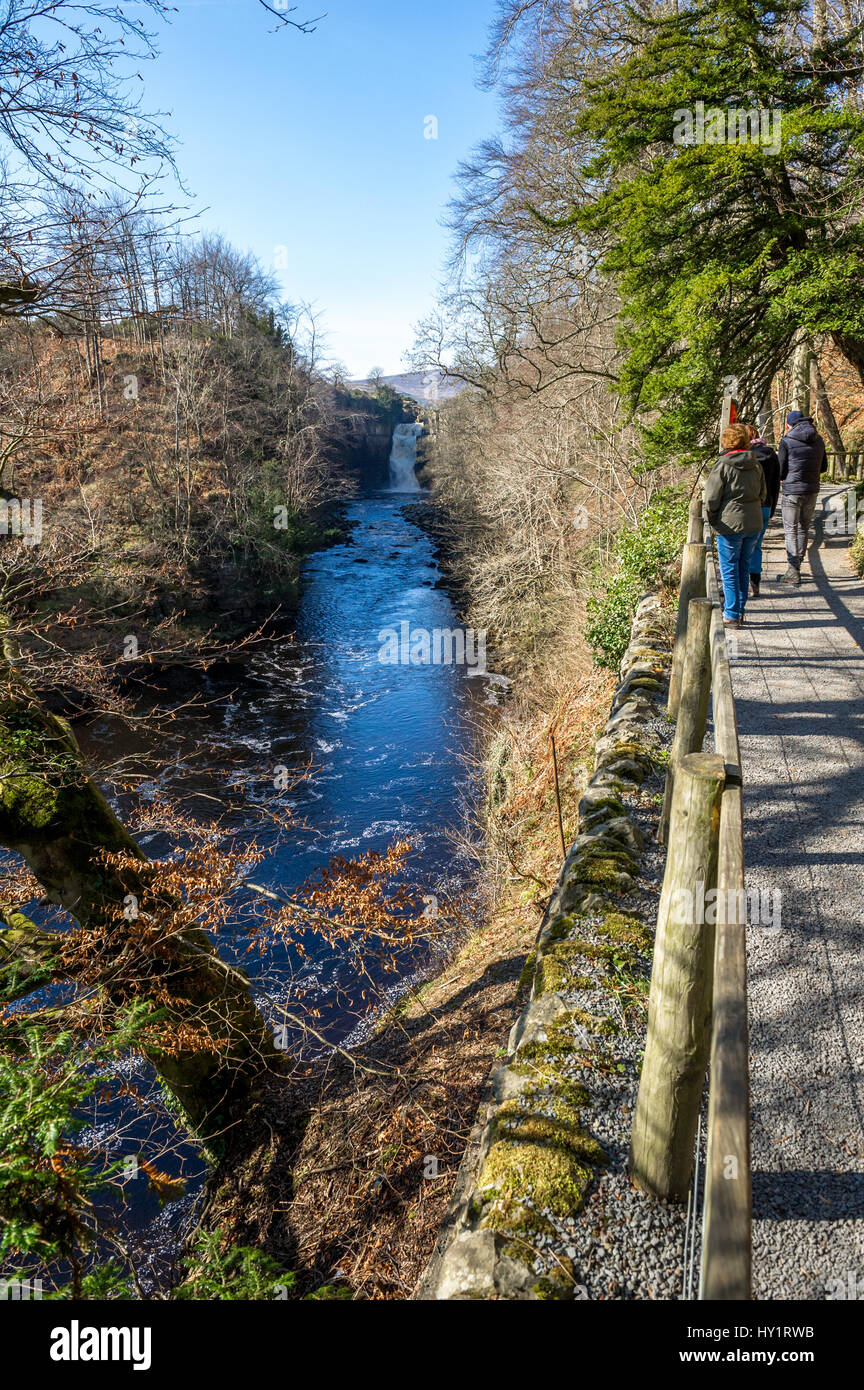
{"points": [[679, 1005], [692, 586], [694, 523], [695, 694]]}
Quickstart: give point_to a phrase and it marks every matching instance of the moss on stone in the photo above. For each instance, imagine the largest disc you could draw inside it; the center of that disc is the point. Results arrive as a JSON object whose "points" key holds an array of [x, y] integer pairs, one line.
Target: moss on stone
{"points": [[557, 1043], [590, 823], [606, 1027], [559, 927], [603, 808], [549, 1085], [528, 1117], [552, 1177], [560, 1095], [604, 871], [626, 929], [554, 967], [631, 769], [657, 658], [629, 748], [510, 1217], [546, 1163], [526, 976], [641, 683], [607, 847], [552, 1290]]}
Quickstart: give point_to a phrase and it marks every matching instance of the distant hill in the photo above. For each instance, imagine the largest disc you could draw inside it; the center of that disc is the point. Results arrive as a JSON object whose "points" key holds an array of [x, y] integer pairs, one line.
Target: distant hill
{"points": [[425, 387]]}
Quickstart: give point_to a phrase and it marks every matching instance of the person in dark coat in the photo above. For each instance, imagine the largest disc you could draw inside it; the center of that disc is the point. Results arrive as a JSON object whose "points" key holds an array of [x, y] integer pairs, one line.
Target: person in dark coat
{"points": [[771, 472], [802, 458], [734, 492]]}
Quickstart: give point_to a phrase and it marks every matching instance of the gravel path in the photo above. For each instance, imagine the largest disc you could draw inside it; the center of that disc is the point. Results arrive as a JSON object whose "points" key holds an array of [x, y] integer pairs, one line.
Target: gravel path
{"points": [[799, 686]]}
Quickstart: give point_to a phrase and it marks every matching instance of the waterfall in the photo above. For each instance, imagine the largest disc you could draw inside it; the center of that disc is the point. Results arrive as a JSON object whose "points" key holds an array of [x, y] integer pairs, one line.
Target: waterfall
{"points": [[403, 458]]}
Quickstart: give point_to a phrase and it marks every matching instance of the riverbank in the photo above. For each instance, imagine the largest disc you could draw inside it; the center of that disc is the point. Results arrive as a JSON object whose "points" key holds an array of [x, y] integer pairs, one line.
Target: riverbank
{"points": [[136, 611], [169, 508], [348, 1178], [377, 754], [402, 1133], [342, 1171]]}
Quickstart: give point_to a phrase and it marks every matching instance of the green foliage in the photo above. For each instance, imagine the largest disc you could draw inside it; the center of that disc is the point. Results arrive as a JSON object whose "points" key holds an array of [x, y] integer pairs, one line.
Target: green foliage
{"points": [[234, 1275], [723, 253], [213, 1275], [641, 555], [47, 1181], [108, 1282], [273, 532]]}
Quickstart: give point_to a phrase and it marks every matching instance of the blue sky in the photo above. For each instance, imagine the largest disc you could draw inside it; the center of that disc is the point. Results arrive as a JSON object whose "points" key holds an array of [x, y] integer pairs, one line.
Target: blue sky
{"points": [[315, 144]]}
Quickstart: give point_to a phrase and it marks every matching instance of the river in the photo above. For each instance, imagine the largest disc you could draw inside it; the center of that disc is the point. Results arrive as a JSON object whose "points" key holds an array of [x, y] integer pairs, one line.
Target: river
{"points": [[388, 748]]}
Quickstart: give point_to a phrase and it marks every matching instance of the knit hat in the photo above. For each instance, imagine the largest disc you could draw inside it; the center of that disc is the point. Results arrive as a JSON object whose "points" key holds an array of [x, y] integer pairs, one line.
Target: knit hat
{"points": [[794, 416]]}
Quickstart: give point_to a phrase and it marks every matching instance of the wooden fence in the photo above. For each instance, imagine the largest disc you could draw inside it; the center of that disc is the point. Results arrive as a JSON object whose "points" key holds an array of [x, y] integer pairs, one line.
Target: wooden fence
{"points": [[844, 468], [698, 996], [726, 1239]]}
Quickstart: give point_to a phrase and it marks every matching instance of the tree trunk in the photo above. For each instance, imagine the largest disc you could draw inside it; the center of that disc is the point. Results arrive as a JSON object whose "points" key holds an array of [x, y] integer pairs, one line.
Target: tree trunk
{"points": [[56, 818], [827, 419], [801, 378], [763, 413]]}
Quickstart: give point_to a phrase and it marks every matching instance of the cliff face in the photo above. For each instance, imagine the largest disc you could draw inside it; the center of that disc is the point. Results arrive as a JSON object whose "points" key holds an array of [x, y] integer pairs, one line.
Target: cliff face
{"points": [[368, 446], [369, 422]]}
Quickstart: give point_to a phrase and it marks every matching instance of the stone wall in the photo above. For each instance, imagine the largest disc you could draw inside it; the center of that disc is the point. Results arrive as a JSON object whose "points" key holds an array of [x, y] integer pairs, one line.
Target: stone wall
{"points": [[532, 1159]]}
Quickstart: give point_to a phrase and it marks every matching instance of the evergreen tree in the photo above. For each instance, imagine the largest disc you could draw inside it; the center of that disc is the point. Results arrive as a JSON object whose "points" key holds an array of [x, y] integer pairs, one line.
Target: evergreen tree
{"points": [[727, 189]]}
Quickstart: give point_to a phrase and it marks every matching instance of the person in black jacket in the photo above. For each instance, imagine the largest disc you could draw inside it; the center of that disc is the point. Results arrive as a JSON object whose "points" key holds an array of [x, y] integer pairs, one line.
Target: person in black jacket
{"points": [[771, 472], [802, 458]]}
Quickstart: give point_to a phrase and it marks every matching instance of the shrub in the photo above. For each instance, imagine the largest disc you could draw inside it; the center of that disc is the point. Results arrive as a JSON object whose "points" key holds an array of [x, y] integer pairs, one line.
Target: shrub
{"points": [[641, 555], [51, 1216]]}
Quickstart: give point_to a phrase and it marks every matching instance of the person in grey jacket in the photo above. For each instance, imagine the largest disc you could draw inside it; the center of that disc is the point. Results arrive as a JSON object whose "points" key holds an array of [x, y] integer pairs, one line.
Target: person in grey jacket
{"points": [[802, 458], [734, 492]]}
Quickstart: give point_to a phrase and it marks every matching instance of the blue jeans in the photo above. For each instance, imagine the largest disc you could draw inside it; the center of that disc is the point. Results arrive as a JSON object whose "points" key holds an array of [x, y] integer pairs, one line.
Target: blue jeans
{"points": [[734, 554], [756, 557]]}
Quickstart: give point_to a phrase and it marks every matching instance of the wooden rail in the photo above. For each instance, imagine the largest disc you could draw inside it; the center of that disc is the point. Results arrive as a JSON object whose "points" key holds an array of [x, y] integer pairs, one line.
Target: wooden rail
{"points": [[726, 1238], [697, 1008], [844, 468]]}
